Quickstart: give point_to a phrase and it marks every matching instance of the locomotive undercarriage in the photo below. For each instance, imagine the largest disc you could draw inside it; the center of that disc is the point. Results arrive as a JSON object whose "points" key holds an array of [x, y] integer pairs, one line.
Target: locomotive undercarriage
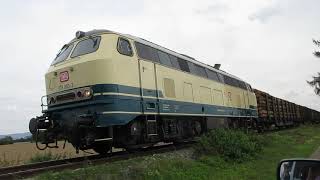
{"points": [[146, 130], [77, 128], [83, 133], [139, 133], [86, 127]]}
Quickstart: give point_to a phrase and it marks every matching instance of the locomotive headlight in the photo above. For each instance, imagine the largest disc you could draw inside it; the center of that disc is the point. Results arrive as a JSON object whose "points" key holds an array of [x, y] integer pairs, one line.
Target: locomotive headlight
{"points": [[87, 93]]}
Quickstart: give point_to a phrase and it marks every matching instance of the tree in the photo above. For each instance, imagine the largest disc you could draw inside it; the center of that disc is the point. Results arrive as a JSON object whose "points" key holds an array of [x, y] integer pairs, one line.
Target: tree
{"points": [[315, 82], [24, 139], [6, 140]]}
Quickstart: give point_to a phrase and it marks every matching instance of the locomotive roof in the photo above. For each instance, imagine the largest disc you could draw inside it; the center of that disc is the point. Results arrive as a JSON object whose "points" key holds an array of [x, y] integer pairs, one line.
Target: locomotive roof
{"points": [[146, 42]]}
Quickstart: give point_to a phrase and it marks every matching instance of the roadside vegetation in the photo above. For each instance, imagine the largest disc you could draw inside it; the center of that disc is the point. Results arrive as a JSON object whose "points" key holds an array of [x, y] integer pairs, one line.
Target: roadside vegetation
{"points": [[6, 140], [9, 140], [221, 154], [26, 152], [37, 157], [5, 161], [231, 145]]}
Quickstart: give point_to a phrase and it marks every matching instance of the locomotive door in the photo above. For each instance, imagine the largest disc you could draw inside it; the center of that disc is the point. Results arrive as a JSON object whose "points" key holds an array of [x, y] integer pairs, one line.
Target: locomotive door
{"points": [[148, 87]]}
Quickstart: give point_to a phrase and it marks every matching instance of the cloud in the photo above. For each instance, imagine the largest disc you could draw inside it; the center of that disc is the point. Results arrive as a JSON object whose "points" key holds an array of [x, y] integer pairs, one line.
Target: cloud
{"points": [[218, 8], [265, 14], [214, 12]]}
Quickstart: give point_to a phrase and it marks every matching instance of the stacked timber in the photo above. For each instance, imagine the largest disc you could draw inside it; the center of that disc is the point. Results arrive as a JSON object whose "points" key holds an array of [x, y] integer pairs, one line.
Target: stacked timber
{"points": [[270, 106], [291, 115], [280, 109], [273, 110], [262, 103], [294, 111], [285, 109], [276, 110], [298, 118]]}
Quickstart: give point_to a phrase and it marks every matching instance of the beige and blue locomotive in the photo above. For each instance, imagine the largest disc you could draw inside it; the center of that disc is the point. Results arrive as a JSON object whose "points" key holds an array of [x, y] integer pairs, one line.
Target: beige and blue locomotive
{"points": [[106, 89]]}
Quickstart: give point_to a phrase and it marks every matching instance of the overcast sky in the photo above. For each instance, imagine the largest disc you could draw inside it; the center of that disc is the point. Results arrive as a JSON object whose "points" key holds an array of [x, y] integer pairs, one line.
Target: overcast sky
{"points": [[268, 43]]}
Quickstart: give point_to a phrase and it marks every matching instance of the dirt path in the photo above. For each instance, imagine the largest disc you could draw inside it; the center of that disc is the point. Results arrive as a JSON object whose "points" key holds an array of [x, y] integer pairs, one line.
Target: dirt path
{"points": [[316, 154]]}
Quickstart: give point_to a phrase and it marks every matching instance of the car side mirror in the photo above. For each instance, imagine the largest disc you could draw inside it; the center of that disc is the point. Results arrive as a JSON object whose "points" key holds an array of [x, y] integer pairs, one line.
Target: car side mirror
{"points": [[304, 169]]}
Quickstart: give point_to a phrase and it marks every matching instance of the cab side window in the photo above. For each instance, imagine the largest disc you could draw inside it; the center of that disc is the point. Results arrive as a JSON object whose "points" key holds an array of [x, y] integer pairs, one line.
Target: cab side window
{"points": [[124, 47], [174, 61], [164, 58], [147, 52], [212, 75], [183, 65]]}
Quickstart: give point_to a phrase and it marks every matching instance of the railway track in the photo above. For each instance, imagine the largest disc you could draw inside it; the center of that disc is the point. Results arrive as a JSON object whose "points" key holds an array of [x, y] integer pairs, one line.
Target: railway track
{"points": [[29, 170]]}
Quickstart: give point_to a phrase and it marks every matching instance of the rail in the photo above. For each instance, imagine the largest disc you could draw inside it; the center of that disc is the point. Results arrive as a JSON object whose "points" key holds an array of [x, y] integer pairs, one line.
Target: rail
{"points": [[29, 170]]}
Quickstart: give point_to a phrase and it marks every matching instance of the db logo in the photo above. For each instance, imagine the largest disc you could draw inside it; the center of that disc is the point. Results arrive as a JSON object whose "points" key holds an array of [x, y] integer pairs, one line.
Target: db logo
{"points": [[64, 76]]}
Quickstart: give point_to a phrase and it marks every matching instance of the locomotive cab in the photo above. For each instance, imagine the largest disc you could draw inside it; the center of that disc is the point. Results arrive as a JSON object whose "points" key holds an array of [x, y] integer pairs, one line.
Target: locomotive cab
{"points": [[70, 108]]}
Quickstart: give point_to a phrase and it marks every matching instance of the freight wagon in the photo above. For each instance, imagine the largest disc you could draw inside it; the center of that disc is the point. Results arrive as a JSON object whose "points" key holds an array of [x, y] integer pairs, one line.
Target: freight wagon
{"points": [[281, 113]]}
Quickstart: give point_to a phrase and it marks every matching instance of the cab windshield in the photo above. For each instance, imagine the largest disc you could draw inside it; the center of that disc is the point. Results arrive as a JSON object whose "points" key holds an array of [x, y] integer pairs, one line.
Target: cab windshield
{"points": [[63, 54], [83, 47], [86, 46]]}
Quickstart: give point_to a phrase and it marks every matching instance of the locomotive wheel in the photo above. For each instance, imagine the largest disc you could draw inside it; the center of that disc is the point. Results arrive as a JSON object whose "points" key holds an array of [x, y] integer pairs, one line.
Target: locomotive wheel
{"points": [[102, 149]]}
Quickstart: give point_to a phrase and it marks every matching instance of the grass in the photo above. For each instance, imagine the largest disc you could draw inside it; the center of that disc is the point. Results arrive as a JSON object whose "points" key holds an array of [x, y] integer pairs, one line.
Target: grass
{"points": [[5, 161], [297, 142], [38, 157], [26, 152]]}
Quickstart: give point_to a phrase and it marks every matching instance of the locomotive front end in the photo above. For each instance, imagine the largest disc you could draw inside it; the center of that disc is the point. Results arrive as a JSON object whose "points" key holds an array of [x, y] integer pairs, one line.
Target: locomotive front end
{"points": [[70, 108]]}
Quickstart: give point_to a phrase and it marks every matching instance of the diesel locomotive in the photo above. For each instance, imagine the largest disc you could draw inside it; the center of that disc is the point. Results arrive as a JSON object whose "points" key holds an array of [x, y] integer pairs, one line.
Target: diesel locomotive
{"points": [[106, 89]]}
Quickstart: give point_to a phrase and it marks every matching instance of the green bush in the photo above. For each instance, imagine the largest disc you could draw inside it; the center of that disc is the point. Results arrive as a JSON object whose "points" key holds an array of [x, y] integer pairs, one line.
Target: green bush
{"points": [[234, 145], [6, 140]]}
